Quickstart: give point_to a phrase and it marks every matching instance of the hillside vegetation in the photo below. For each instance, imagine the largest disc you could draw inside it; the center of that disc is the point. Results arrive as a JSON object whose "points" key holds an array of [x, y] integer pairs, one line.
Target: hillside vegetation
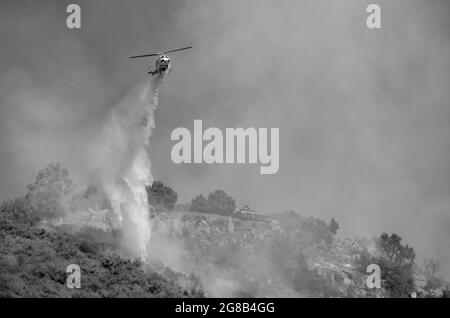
{"points": [[198, 249]]}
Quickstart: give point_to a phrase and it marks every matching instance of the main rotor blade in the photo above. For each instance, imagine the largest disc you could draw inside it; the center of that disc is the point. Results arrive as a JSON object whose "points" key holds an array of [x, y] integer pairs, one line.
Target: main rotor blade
{"points": [[145, 55], [184, 48]]}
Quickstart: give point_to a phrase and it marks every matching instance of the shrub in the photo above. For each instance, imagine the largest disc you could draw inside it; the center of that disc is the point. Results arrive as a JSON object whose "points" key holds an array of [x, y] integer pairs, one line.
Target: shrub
{"points": [[446, 293], [33, 264], [333, 226], [161, 197], [19, 211]]}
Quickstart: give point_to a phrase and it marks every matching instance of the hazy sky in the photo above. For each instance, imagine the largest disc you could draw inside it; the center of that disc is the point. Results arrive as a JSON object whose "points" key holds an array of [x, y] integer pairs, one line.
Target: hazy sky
{"points": [[364, 115]]}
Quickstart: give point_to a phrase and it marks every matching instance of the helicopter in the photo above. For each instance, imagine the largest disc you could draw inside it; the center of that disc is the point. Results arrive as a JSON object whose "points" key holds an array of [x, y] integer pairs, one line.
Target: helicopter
{"points": [[163, 65]]}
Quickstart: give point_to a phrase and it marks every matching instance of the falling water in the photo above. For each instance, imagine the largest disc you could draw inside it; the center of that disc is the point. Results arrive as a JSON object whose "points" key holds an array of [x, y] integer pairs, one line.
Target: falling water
{"points": [[123, 165]]}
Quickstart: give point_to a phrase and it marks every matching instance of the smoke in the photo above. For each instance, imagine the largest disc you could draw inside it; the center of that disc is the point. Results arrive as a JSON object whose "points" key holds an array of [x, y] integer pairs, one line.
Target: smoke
{"points": [[246, 262], [363, 114], [120, 164]]}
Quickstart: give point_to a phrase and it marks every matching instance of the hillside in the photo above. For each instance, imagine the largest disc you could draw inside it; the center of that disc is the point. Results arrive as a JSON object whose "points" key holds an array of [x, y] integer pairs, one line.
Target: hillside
{"points": [[213, 253], [33, 263], [293, 256]]}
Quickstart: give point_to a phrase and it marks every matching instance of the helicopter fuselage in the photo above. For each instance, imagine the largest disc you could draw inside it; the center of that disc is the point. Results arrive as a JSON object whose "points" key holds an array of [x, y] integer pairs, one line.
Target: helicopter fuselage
{"points": [[162, 62], [162, 65]]}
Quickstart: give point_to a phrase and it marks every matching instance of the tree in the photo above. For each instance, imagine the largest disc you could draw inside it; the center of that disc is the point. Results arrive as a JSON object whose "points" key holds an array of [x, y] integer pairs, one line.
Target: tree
{"points": [[431, 267], [333, 226], [49, 193], [199, 204], [161, 196], [394, 251], [218, 202], [221, 203], [396, 262], [396, 279]]}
